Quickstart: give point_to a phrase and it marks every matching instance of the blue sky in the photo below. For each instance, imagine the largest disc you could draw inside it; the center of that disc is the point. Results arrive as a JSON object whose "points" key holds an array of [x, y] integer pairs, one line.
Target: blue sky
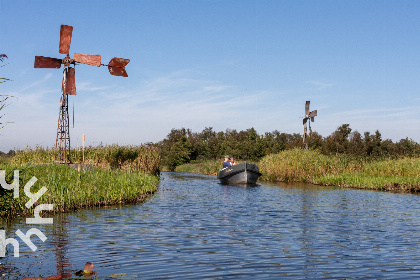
{"points": [[221, 64]]}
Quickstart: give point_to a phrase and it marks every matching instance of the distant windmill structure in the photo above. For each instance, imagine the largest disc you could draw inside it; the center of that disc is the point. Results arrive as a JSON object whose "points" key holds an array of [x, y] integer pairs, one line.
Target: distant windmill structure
{"points": [[309, 117], [116, 67]]}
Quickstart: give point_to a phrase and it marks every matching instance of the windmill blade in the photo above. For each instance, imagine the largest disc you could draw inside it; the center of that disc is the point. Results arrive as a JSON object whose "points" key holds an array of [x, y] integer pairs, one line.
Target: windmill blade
{"points": [[73, 113], [307, 107], [117, 65], [90, 59], [117, 71], [313, 114], [65, 38], [71, 81], [304, 127], [305, 120], [47, 62]]}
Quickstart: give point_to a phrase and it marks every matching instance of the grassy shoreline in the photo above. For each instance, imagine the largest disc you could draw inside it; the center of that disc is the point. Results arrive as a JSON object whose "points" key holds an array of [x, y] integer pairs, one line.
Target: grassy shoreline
{"points": [[310, 166], [129, 174], [121, 175], [402, 174], [69, 189]]}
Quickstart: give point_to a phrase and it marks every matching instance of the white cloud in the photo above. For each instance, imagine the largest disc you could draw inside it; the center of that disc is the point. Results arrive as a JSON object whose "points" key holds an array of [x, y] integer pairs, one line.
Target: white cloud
{"points": [[320, 85]]}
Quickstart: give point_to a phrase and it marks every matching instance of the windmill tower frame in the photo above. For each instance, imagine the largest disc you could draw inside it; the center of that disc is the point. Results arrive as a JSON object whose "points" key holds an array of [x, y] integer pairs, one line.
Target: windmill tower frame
{"points": [[62, 142]]}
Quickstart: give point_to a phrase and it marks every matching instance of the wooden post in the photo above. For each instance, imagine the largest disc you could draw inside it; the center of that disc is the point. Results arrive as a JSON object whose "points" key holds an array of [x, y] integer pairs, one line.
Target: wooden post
{"points": [[77, 149], [83, 141]]}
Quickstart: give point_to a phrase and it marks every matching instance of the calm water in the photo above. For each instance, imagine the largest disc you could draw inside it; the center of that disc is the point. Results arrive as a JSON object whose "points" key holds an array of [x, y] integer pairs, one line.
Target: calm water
{"points": [[194, 228]]}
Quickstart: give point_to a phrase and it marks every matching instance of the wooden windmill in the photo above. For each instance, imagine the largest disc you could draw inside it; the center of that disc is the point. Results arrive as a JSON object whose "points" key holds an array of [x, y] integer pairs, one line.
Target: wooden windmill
{"points": [[309, 117], [116, 67]]}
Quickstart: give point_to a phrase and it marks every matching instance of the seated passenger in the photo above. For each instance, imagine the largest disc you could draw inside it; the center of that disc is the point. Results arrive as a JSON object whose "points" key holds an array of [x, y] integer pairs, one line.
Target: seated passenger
{"points": [[232, 161], [226, 163]]}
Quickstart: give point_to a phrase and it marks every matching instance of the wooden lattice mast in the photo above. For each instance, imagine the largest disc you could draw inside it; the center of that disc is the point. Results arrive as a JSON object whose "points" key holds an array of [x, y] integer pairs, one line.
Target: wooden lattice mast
{"points": [[62, 142]]}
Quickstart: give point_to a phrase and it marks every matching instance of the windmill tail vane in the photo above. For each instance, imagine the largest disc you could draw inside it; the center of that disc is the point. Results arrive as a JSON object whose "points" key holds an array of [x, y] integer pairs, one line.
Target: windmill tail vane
{"points": [[116, 67]]}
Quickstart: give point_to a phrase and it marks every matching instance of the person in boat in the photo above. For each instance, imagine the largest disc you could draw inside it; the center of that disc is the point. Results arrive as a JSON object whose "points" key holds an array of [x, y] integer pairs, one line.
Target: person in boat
{"points": [[226, 163], [232, 161]]}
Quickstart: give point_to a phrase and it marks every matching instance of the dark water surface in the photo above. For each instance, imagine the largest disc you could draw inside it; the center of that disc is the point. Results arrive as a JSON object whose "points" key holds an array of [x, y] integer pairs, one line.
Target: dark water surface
{"points": [[194, 228]]}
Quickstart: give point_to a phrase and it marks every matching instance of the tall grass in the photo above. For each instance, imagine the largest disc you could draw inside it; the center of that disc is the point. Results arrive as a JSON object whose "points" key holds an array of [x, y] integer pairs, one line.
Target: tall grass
{"points": [[135, 158], [69, 189], [311, 166], [366, 181], [124, 174], [404, 167], [210, 167], [303, 165]]}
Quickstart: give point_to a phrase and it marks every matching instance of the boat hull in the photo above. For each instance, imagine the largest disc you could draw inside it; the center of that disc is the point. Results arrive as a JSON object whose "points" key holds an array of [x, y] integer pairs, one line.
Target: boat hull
{"points": [[243, 173]]}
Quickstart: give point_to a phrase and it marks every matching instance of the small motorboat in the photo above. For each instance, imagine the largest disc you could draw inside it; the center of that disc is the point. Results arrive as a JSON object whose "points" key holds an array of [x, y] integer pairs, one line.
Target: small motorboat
{"points": [[243, 173]]}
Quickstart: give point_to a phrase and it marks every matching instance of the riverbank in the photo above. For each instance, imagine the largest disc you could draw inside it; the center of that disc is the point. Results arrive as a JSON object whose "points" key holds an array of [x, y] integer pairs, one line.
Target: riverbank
{"points": [[121, 175], [69, 189], [310, 166], [298, 165]]}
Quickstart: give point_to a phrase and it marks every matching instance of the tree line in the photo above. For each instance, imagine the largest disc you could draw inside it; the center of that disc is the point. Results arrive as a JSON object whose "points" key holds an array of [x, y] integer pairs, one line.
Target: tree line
{"points": [[183, 145]]}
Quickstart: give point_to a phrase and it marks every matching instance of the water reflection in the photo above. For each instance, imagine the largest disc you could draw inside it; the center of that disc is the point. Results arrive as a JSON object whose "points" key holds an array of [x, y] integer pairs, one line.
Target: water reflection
{"points": [[195, 228], [61, 245]]}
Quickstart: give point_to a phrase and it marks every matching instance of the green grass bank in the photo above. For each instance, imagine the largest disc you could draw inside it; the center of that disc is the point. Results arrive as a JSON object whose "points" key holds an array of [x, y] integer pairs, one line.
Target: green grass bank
{"points": [[297, 165], [121, 175], [69, 189]]}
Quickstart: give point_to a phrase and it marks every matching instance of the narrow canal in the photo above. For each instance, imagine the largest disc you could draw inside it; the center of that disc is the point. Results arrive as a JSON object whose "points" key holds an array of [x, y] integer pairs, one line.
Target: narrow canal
{"points": [[195, 228]]}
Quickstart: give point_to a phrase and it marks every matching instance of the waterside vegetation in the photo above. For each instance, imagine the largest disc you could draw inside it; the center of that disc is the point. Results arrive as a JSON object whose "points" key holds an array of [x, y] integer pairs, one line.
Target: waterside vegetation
{"points": [[344, 158], [125, 174], [210, 167], [183, 146], [143, 158], [121, 175], [298, 165]]}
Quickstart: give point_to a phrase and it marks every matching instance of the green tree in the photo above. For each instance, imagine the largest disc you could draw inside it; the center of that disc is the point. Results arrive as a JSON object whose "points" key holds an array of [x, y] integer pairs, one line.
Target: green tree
{"points": [[176, 148], [408, 147], [377, 141], [179, 153], [356, 145], [338, 141], [315, 141]]}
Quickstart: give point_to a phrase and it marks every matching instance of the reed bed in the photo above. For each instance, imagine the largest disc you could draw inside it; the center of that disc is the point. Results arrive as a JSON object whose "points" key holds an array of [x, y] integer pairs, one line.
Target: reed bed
{"points": [[374, 182], [144, 158], [404, 167], [210, 167], [311, 166], [299, 165], [69, 189]]}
